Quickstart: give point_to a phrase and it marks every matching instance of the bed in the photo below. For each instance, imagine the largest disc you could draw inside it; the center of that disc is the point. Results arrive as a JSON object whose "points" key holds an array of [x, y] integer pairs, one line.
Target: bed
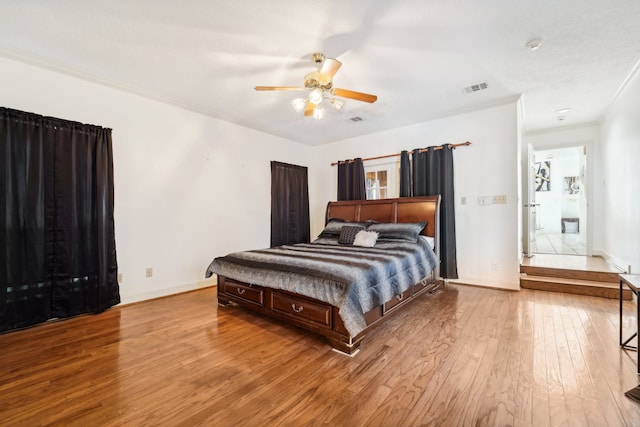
{"points": [[340, 286]]}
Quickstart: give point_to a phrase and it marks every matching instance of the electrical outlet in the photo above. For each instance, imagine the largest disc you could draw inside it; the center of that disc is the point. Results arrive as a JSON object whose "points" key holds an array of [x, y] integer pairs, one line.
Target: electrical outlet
{"points": [[500, 200], [120, 277], [149, 272], [463, 200]]}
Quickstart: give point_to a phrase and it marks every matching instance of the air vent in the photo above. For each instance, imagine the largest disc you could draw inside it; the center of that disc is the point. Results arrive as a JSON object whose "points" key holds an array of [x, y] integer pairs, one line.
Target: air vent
{"points": [[356, 119], [475, 88]]}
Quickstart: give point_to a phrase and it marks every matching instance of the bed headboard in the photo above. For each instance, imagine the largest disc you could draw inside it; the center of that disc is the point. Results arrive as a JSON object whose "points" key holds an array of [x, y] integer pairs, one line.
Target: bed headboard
{"points": [[403, 209]]}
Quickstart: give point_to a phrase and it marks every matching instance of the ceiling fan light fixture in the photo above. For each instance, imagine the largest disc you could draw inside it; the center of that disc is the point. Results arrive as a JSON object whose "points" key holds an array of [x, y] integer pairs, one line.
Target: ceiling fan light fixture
{"points": [[336, 103], [299, 104], [318, 113], [315, 97], [319, 86]]}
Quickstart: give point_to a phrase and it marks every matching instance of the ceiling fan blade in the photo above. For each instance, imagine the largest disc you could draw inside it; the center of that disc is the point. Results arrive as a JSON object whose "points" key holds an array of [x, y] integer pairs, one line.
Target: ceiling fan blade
{"points": [[358, 96], [329, 69], [279, 88], [308, 111]]}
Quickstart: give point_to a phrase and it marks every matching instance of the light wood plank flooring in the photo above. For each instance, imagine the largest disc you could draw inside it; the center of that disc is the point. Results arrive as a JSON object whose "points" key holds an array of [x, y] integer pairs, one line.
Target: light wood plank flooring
{"points": [[465, 356]]}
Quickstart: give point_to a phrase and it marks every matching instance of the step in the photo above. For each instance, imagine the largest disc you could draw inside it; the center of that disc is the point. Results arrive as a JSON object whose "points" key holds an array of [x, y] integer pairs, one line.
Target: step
{"points": [[595, 276], [574, 286]]}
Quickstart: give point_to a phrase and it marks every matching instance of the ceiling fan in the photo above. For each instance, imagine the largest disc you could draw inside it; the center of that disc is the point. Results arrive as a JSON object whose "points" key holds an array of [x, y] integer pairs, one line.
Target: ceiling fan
{"points": [[320, 85]]}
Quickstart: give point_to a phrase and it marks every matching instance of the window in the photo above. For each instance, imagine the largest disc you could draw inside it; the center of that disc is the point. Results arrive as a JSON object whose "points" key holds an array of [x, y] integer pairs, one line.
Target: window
{"points": [[381, 179], [376, 182]]}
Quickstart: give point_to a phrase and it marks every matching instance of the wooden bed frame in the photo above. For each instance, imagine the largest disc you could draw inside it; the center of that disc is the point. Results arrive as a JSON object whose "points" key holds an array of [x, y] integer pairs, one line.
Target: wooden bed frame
{"points": [[322, 318]]}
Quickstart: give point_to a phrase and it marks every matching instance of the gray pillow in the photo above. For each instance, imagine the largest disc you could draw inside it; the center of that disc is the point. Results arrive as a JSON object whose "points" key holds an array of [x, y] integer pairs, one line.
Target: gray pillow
{"points": [[404, 232], [334, 227]]}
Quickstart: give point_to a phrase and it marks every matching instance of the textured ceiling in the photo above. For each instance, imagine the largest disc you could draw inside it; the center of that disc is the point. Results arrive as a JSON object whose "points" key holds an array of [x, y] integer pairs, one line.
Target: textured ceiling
{"points": [[416, 55]]}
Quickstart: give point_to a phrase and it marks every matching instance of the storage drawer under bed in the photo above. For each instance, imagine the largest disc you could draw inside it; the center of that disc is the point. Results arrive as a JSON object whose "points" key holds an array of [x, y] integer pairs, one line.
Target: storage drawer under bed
{"points": [[396, 300], [249, 293], [294, 306]]}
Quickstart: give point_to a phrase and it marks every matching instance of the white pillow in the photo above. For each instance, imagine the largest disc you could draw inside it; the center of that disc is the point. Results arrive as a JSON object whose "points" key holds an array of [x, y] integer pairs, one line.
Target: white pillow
{"points": [[366, 238], [430, 240]]}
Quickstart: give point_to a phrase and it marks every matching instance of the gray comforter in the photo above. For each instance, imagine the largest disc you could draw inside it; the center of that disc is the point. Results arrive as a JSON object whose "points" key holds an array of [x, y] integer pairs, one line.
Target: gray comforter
{"points": [[354, 279]]}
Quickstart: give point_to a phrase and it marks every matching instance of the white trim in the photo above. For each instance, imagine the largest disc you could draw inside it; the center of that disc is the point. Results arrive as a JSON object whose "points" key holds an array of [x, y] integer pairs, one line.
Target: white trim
{"points": [[488, 283], [619, 263], [626, 82], [158, 293]]}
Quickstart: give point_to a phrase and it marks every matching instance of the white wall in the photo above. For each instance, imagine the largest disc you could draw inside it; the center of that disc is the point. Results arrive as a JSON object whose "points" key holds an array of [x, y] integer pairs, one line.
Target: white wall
{"points": [[190, 187], [487, 236], [187, 187], [620, 179]]}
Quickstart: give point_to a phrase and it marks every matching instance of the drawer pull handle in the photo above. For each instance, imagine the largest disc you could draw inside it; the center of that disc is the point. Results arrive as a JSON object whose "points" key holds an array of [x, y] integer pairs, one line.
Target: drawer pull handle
{"points": [[297, 310], [399, 297], [240, 291]]}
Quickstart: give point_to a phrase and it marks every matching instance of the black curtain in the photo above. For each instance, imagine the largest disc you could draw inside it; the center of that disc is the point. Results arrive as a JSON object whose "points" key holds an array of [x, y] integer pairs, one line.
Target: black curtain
{"points": [[405, 174], [433, 175], [351, 185], [289, 204], [57, 250]]}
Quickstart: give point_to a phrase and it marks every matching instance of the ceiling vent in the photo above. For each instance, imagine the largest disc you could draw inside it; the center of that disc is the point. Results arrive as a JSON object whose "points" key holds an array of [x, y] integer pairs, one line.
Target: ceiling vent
{"points": [[475, 88]]}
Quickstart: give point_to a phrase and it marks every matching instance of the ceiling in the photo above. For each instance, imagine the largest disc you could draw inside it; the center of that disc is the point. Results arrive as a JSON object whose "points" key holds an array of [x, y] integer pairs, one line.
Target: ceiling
{"points": [[417, 56]]}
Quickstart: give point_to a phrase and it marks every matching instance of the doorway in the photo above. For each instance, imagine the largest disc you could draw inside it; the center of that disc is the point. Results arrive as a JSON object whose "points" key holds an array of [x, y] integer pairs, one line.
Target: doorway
{"points": [[560, 218]]}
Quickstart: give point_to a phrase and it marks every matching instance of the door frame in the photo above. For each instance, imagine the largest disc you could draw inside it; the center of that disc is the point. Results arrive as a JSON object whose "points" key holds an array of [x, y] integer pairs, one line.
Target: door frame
{"points": [[587, 187], [528, 196]]}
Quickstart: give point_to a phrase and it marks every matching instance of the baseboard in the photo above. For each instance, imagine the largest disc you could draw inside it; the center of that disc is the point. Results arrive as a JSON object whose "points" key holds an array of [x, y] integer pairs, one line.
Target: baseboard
{"points": [[483, 285], [488, 283], [620, 263], [164, 292]]}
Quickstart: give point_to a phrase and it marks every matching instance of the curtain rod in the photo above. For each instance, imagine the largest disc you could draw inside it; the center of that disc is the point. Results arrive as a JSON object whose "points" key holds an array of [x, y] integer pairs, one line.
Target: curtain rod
{"points": [[439, 147]]}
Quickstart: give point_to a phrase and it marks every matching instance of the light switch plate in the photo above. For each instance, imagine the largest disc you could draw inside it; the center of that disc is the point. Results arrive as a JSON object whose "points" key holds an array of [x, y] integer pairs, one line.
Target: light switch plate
{"points": [[485, 200]]}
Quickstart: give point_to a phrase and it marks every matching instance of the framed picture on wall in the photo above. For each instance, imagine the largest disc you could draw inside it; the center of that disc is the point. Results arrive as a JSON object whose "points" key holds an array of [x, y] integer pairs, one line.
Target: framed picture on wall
{"points": [[543, 176]]}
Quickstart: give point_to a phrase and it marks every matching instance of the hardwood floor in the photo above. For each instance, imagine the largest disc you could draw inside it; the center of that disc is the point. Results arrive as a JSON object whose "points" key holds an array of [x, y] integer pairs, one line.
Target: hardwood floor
{"points": [[465, 356], [580, 275]]}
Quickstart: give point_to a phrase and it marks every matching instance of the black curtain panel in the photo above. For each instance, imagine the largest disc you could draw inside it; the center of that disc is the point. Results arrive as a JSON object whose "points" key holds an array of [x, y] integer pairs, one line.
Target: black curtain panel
{"points": [[433, 175], [289, 204], [351, 184], [57, 250], [405, 174]]}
